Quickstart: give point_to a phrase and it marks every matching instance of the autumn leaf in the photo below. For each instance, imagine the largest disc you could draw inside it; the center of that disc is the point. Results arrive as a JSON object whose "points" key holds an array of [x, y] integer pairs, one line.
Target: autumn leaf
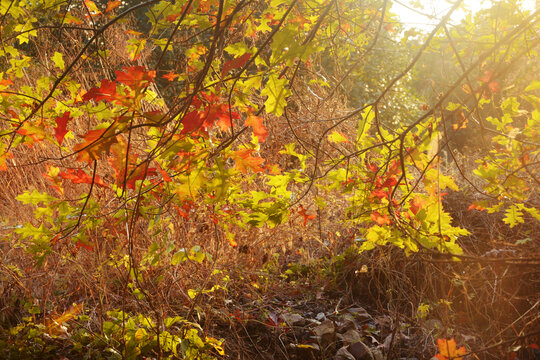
{"points": [[172, 17], [111, 5], [135, 77], [478, 205], [416, 204], [192, 121], [390, 182], [78, 176], [380, 219], [92, 8], [448, 351], [380, 194], [244, 161], [95, 142], [337, 137], [304, 214], [170, 76], [235, 63], [259, 130], [54, 324], [106, 91], [85, 245], [61, 127]]}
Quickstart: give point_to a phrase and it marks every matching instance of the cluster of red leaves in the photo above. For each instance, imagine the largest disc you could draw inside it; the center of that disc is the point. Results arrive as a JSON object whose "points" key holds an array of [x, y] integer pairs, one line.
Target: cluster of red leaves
{"points": [[136, 77]]}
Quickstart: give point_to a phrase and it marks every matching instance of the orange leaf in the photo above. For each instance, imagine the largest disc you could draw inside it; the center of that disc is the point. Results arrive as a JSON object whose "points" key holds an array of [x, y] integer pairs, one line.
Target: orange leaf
{"points": [[380, 219], [448, 351], [113, 4], [416, 204], [170, 76], [244, 161], [306, 217], [259, 130]]}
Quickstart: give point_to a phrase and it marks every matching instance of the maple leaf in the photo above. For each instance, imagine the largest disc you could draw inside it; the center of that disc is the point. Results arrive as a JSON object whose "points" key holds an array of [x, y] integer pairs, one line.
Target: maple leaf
{"points": [[111, 5], [135, 76], [244, 161], [448, 351], [380, 219], [235, 63], [106, 91], [78, 176], [61, 127], [170, 76], [259, 130]]}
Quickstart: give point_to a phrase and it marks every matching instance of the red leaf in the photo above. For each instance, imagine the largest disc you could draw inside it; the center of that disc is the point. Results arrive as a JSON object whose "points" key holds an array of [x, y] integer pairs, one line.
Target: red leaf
{"points": [[192, 121], [390, 182], [78, 176], [259, 130], [135, 76], [380, 219], [61, 127], [372, 167], [107, 91], [235, 63]]}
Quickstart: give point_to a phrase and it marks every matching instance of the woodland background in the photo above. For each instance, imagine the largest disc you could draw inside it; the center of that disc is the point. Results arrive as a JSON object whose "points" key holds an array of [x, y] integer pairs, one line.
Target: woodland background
{"points": [[284, 179]]}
